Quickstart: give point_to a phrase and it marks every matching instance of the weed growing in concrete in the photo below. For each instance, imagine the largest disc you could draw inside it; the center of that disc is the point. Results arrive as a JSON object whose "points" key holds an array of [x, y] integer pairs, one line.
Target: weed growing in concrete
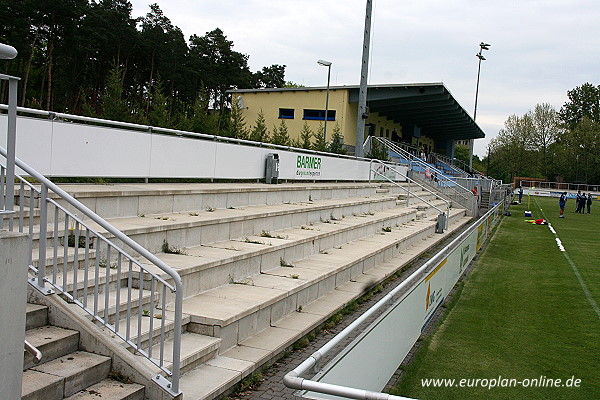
{"points": [[387, 229], [193, 214], [284, 263], [248, 240], [295, 276], [210, 209], [172, 249]]}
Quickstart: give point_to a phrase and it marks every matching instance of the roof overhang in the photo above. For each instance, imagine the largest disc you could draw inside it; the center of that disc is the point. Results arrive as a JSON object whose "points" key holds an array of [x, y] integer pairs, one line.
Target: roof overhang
{"points": [[429, 106]]}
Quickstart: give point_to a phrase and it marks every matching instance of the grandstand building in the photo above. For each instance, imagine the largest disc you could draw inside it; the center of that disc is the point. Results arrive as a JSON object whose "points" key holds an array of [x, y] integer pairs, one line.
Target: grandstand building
{"points": [[424, 115]]}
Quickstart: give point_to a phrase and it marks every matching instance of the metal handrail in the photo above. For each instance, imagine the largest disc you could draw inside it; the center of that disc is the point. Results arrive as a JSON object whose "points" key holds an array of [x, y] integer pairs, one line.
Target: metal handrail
{"points": [[441, 178], [34, 351], [156, 129], [88, 240], [294, 379], [408, 190]]}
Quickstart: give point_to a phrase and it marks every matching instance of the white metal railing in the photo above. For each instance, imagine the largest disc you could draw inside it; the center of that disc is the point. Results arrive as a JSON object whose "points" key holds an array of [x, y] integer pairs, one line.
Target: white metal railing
{"points": [[436, 178], [559, 186], [295, 379], [443, 216], [85, 262]]}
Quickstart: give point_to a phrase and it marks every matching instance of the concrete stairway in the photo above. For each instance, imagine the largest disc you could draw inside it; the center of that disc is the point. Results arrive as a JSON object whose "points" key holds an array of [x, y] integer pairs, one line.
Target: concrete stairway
{"points": [[262, 265], [66, 372]]}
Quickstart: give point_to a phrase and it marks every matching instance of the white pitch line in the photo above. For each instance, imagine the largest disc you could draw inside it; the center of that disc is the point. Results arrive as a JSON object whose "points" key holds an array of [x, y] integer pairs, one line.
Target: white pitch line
{"points": [[582, 283]]}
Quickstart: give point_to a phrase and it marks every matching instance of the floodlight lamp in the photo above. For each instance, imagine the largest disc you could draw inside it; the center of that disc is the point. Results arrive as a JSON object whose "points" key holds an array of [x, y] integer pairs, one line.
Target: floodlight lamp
{"points": [[478, 55], [324, 63], [484, 46], [7, 52]]}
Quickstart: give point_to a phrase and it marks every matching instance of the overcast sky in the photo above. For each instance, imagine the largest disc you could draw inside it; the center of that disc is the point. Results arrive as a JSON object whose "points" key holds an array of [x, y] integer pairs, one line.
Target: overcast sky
{"points": [[539, 49]]}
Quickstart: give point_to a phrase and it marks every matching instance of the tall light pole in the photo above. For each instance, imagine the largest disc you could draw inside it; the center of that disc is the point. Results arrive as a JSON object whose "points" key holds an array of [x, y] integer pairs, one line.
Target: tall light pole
{"points": [[482, 46], [328, 65], [362, 91]]}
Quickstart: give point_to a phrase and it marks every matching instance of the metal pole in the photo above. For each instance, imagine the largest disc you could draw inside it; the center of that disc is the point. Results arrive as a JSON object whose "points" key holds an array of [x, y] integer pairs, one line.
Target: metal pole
{"points": [[11, 140], [474, 114], [362, 95], [326, 104]]}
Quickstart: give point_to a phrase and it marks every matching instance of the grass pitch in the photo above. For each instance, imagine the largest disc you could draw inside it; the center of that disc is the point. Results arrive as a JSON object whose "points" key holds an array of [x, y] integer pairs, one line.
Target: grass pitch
{"points": [[523, 315]]}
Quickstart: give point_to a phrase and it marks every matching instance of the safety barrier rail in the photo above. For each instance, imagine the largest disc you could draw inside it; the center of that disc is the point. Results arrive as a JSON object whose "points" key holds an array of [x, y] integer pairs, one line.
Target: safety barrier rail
{"points": [[84, 262], [433, 177], [297, 378], [442, 217]]}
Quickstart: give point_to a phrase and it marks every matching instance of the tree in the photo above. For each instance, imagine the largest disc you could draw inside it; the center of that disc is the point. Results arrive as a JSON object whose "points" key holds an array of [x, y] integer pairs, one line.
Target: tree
{"points": [[199, 118], [584, 101], [237, 123], [513, 150], [217, 67], [306, 135], [337, 141], [280, 135], [546, 129], [270, 77], [259, 132], [114, 107], [377, 151], [319, 143], [462, 153]]}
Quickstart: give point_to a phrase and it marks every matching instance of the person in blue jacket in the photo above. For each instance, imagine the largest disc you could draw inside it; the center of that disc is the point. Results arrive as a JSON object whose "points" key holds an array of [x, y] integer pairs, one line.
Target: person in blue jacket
{"points": [[561, 203], [520, 194]]}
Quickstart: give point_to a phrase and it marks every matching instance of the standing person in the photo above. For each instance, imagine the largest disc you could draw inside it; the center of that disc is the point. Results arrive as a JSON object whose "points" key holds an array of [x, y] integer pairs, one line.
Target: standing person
{"points": [[577, 201], [520, 194], [582, 201], [561, 203], [589, 202]]}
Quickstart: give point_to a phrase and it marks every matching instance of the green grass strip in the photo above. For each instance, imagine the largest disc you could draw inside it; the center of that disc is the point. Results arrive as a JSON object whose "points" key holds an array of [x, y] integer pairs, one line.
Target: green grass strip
{"points": [[521, 315]]}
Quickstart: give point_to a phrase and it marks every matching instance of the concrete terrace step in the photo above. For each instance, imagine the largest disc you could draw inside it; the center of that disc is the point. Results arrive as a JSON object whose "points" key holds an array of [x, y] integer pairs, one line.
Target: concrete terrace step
{"points": [[235, 312], [36, 316], [205, 267], [52, 341], [111, 390], [208, 226], [213, 378], [130, 200], [65, 376]]}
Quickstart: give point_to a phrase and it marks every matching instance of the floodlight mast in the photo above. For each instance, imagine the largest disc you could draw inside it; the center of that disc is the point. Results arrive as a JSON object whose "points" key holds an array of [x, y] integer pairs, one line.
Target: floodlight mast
{"points": [[482, 46], [327, 64]]}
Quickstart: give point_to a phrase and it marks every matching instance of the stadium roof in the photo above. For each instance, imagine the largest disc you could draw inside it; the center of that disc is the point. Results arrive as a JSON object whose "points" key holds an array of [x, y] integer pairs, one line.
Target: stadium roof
{"points": [[429, 106]]}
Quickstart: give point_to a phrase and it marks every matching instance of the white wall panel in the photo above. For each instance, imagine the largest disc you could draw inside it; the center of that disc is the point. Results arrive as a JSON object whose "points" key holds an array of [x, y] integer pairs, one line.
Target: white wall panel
{"points": [[85, 150], [57, 148], [179, 157], [34, 141]]}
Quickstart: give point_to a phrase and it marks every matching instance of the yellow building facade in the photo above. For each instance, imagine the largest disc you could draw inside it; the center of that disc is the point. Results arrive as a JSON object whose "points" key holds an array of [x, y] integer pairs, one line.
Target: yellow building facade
{"points": [[302, 105], [425, 116]]}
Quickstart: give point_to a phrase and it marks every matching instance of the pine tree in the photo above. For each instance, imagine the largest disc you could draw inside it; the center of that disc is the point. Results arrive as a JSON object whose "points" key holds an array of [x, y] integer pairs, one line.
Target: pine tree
{"points": [[306, 135], [280, 135], [259, 132], [114, 106], [319, 143], [337, 141], [377, 151], [237, 123], [158, 113], [200, 120]]}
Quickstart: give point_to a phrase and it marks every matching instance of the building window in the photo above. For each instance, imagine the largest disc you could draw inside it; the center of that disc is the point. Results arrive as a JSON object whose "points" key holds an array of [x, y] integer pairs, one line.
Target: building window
{"points": [[319, 115], [286, 113]]}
